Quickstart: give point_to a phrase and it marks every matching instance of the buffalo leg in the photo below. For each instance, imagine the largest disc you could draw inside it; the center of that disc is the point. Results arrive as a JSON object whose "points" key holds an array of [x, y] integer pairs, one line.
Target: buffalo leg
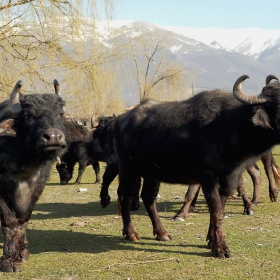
{"points": [[96, 169], [109, 175], [129, 181], [193, 203], [215, 235], [11, 259], [135, 204], [225, 249], [15, 242], [269, 167], [24, 252], [255, 175], [248, 207], [189, 204], [70, 168], [15, 248], [149, 196], [81, 170]]}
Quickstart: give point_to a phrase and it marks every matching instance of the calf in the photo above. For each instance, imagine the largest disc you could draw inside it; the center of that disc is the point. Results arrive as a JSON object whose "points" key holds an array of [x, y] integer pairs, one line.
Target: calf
{"points": [[32, 135], [81, 148]]}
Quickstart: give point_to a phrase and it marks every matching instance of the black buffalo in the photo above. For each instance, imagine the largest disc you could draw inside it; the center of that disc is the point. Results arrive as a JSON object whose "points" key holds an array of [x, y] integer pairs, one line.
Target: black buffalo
{"points": [[81, 148], [104, 132], [272, 171], [206, 139], [31, 136], [88, 148]]}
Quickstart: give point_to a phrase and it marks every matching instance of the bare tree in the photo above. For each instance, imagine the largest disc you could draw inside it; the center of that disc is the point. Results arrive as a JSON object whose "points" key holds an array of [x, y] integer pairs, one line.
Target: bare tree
{"points": [[155, 76]]}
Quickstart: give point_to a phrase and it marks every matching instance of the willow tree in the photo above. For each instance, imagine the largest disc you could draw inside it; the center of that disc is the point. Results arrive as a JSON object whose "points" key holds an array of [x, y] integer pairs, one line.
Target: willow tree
{"points": [[45, 39], [95, 89]]}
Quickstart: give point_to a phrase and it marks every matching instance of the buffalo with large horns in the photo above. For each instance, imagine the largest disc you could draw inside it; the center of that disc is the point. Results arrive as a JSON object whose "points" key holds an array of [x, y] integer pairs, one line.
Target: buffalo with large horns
{"points": [[206, 139]]}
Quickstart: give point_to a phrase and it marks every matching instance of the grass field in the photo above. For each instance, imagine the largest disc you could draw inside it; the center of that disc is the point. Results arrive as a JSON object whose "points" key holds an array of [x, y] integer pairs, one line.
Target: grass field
{"points": [[72, 237]]}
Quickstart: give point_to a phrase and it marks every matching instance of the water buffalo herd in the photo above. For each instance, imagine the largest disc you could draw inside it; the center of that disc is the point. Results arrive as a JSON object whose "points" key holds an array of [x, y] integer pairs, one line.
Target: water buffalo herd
{"points": [[205, 142]]}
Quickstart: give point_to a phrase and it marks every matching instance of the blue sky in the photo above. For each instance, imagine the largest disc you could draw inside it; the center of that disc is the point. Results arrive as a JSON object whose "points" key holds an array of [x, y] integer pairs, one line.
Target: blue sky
{"points": [[223, 14]]}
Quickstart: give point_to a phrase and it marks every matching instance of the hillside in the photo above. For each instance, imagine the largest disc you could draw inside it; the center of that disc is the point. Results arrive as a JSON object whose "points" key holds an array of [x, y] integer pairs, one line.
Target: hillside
{"points": [[217, 60]]}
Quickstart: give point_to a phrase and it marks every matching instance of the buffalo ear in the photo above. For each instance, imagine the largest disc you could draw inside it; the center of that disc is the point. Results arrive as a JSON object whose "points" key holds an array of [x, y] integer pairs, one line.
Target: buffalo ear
{"points": [[261, 119], [6, 128]]}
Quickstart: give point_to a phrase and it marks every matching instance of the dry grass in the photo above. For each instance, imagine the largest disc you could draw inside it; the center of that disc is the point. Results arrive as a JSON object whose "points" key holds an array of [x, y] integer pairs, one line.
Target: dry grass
{"points": [[71, 237]]}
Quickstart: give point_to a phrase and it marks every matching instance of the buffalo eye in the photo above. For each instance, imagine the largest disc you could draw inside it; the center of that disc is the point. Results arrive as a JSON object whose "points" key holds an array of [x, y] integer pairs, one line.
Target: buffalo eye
{"points": [[26, 115], [28, 118]]}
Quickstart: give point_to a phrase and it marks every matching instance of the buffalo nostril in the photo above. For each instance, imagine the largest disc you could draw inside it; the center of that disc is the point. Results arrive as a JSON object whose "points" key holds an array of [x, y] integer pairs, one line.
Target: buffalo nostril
{"points": [[53, 137], [61, 137], [46, 137]]}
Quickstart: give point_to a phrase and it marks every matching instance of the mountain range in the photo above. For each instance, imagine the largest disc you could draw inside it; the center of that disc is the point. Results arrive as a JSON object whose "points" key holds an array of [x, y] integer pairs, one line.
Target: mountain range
{"points": [[217, 56]]}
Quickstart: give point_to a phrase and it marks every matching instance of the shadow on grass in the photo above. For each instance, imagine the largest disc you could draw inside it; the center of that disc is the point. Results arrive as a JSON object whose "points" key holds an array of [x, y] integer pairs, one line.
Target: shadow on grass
{"points": [[71, 184], [77, 242], [66, 210]]}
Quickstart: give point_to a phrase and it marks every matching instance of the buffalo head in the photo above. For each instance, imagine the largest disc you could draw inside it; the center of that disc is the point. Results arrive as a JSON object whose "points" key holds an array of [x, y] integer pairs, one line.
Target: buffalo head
{"points": [[267, 101], [35, 122]]}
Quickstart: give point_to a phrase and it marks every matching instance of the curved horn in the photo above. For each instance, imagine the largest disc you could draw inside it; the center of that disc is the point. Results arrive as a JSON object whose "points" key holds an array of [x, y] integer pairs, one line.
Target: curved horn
{"points": [[14, 103], [93, 123], [58, 160], [242, 96], [269, 78], [56, 87], [57, 92]]}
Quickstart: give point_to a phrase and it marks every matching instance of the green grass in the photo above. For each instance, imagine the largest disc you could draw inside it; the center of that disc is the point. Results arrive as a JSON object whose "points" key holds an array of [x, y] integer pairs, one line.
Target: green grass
{"points": [[72, 237]]}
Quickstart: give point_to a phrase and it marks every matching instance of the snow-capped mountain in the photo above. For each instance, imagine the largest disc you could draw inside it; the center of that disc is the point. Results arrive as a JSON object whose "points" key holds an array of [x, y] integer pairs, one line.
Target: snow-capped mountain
{"points": [[253, 42], [216, 57], [247, 41]]}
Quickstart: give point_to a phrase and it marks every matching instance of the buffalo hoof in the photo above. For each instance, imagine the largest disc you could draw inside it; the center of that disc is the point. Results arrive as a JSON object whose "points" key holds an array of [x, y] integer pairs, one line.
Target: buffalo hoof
{"points": [[248, 211], [25, 254], [7, 266], [105, 201], [191, 209], [166, 237], [178, 218], [17, 267], [254, 203], [134, 207], [133, 237], [273, 195], [221, 255]]}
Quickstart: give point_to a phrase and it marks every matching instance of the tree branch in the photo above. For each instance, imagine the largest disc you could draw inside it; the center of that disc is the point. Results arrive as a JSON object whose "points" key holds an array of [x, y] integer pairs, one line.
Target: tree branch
{"points": [[18, 3]]}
